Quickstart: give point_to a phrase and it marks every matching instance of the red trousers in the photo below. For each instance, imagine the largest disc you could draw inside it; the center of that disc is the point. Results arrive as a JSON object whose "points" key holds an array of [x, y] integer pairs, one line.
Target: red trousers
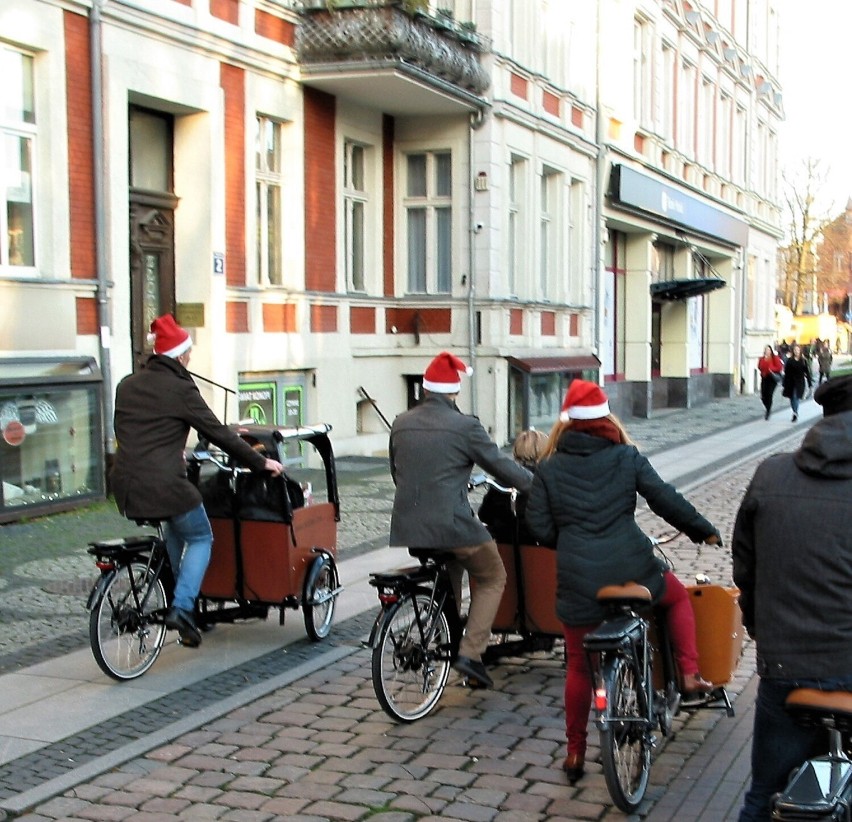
{"points": [[578, 676]]}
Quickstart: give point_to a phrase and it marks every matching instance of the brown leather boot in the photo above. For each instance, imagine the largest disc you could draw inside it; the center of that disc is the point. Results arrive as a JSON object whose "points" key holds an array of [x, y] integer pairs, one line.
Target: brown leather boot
{"points": [[574, 767], [696, 684]]}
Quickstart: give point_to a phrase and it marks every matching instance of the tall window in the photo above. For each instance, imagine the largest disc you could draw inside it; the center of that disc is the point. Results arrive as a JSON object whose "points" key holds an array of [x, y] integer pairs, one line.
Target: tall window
{"points": [[269, 182], [515, 245], [428, 210], [548, 230], [686, 110], [723, 152], [17, 148], [667, 92], [642, 86], [706, 118], [354, 210]]}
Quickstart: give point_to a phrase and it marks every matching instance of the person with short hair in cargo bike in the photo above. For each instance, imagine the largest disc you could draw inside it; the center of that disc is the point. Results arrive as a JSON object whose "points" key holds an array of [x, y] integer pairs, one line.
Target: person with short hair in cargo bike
{"points": [[155, 408], [433, 448], [583, 501]]}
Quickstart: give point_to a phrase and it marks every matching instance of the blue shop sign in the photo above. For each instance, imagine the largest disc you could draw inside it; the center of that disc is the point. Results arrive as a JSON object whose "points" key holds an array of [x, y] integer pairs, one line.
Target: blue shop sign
{"points": [[629, 187]]}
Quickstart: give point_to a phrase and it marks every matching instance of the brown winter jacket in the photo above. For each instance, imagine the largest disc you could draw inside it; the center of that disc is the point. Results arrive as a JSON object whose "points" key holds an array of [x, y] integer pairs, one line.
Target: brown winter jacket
{"points": [[154, 410]]}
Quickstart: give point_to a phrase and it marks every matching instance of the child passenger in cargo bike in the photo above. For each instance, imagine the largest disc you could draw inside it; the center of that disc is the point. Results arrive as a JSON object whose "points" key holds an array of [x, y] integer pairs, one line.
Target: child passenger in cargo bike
{"points": [[583, 500]]}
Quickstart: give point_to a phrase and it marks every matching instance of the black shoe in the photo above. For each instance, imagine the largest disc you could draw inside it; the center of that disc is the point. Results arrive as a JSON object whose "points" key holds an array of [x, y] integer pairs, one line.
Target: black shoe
{"points": [[474, 670], [183, 622], [795, 417], [766, 415]]}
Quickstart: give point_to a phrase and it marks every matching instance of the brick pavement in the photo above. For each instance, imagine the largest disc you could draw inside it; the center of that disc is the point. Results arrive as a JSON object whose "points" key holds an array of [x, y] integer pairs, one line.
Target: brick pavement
{"points": [[320, 748]]}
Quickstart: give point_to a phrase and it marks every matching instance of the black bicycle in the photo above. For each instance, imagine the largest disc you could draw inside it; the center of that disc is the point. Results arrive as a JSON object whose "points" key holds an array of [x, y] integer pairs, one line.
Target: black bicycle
{"points": [[628, 706], [821, 788]]}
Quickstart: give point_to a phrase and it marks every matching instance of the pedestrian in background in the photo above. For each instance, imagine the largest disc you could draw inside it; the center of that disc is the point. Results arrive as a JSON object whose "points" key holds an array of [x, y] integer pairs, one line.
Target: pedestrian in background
{"points": [[792, 563], [771, 373], [825, 358], [583, 501], [433, 448], [796, 373]]}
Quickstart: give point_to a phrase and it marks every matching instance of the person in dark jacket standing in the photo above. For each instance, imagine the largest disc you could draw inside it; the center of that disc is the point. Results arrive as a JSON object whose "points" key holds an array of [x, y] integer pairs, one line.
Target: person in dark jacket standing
{"points": [[432, 449], [797, 371], [792, 559], [155, 408], [583, 500]]}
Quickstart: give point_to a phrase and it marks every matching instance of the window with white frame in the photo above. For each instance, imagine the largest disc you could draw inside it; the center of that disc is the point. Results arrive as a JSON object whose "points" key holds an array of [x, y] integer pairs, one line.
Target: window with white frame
{"points": [[707, 119], [723, 142], [428, 214], [738, 163], [642, 86], [268, 184], [667, 92], [515, 234], [686, 110], [17, 151], [355, 203], [548, 230]]}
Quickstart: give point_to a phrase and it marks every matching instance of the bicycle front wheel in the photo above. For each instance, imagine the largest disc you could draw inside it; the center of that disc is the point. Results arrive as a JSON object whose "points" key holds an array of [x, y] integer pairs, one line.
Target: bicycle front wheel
{"points": [[318, 601], [126, 628], [625, 743], [411, 658]]}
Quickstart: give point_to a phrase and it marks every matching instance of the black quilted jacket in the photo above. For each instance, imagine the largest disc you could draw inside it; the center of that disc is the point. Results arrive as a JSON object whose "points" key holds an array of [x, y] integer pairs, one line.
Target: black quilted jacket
{"points": [[583, 500]]}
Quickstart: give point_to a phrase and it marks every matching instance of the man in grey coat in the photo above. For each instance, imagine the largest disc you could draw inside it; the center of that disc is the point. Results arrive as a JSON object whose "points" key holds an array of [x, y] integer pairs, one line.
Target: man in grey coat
{"points": [[792, 548], [433, 448], [154, 411]]}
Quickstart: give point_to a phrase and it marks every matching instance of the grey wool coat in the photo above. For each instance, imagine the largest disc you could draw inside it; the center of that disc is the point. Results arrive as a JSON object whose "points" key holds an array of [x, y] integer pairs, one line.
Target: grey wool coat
{"points": [[792, 556], [155, 408], [583, 501], [433, 448]]}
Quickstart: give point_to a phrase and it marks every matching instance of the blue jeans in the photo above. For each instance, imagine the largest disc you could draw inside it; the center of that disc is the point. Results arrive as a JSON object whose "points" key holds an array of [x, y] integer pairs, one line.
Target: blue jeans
{"points": [[795, 399], [779, 745], [189, 540]]}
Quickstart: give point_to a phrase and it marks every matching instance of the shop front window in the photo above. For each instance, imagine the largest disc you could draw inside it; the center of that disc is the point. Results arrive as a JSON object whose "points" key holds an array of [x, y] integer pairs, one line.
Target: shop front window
{"points": [[50, 437]]}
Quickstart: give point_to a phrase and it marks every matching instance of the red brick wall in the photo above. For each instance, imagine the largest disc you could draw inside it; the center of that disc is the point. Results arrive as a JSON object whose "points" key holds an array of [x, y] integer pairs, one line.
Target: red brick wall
{"points": [[388, 273], [274, 28], [551, 103], [324, 318], [519, 86], [236, 318], [81, 187], [279, 317], [362, 320], [429, 320], [87, 315], [320, 191], [227, 10], [577, 116], [232, 80], [548, 323], [516, 321]]}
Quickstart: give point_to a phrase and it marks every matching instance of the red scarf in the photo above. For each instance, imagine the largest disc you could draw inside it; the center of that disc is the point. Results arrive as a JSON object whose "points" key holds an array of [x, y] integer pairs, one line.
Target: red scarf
{"points": [[602, 427]]}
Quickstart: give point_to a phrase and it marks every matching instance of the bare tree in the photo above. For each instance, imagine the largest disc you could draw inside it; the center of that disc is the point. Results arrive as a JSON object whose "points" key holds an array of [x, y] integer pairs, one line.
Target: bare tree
{"points": [[806, 221]]}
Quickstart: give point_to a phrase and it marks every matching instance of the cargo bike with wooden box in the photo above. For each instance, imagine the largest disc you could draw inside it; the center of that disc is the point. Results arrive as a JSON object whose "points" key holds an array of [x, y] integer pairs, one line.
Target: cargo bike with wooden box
{"points": [[274, 546]]}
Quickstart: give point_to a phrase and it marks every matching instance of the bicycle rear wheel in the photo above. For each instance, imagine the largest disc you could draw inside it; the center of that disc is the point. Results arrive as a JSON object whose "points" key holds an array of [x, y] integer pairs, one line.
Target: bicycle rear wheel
{"points": [[319, 599], [409, 673], [625, 743], [126, 628]]}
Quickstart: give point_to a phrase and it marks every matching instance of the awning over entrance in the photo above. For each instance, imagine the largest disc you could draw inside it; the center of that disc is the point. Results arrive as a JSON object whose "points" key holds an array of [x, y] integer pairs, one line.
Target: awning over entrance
{"points": [[684, 289], [552, 365]]}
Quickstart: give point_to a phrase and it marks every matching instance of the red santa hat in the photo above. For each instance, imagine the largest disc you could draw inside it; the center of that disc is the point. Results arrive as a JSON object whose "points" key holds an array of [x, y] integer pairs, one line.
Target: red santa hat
{"points": [[168, 338], [584, 401], [442, 374]]}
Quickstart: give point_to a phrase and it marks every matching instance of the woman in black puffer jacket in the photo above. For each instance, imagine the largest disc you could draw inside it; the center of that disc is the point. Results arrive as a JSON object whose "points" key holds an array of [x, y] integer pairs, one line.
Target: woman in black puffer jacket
{"points": [[583, 500]]}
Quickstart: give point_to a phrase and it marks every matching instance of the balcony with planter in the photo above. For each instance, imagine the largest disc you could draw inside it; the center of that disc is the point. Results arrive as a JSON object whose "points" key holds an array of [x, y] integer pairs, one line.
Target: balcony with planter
{"points": [[392, 55]]}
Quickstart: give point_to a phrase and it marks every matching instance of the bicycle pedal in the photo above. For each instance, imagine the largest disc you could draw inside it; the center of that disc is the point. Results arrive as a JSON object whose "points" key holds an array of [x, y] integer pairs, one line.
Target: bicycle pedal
{"points": [[652, 740]]}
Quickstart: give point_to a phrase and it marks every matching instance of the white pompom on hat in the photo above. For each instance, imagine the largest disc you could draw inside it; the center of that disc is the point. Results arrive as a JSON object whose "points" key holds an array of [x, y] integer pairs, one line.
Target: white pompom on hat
{"points": [[584, 401], [168, 338], [442, 374]]}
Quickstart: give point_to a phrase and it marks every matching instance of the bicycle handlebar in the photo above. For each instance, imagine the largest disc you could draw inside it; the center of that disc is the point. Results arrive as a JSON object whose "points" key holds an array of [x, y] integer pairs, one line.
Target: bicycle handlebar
{"points": [[218, 458], [478, 480]]}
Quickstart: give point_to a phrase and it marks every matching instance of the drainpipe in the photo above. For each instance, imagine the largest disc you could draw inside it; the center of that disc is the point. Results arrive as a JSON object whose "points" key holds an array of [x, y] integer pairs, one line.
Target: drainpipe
{"points": [[477, 118], [600, 178], [103, 285]]}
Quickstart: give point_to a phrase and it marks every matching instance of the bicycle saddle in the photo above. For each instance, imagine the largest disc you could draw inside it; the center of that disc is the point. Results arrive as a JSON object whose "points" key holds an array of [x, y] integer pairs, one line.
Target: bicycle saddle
{"points": [[630, 591], [831, 709]]}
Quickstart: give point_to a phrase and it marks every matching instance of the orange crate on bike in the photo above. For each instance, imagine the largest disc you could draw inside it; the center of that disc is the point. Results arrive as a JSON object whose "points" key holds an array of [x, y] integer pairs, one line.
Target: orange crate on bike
{"points": [[719, 630], [538, 573]]}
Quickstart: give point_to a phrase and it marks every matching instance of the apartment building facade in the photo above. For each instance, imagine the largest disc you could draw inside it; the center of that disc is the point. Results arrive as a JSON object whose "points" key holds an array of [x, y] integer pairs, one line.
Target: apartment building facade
{"points": [[327, 194]]}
